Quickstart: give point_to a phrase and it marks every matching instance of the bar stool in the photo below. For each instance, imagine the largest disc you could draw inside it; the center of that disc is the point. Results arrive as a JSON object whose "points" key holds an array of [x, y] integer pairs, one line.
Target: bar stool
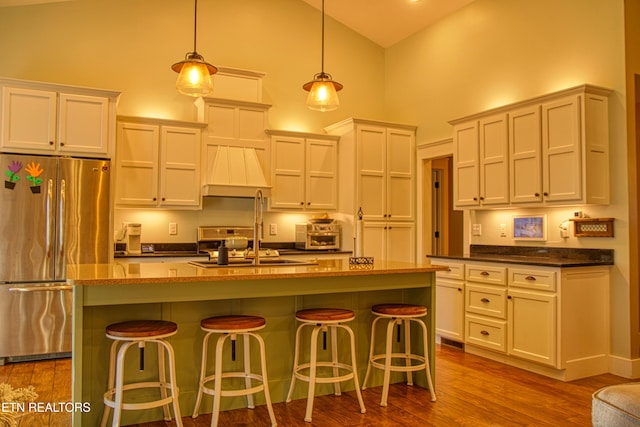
{"points": [[397, 314], [231, 327], [323, 319], [124, 336]]}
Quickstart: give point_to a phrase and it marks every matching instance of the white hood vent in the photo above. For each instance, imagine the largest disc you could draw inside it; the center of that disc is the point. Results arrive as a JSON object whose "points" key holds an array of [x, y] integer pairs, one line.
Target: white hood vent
{"points": [[236, 172]]}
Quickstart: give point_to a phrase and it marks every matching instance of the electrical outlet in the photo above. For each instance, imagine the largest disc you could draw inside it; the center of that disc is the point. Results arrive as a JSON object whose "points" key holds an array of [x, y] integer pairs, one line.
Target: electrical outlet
{"points": [[476, 230], [503, 230], [273, 229], [173, 229]]}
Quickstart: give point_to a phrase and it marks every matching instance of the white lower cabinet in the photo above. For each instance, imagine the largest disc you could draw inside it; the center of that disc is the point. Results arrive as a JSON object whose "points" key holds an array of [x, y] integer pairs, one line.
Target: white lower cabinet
{"points": [[554, 321]]}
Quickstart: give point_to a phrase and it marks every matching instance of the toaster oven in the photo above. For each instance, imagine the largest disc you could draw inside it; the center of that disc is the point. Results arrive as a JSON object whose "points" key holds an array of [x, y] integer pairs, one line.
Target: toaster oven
{"points": [[317, 236]]}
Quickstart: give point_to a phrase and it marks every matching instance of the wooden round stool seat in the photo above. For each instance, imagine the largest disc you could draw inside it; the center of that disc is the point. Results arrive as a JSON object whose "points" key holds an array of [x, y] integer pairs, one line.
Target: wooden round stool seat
{"points": [[407, 360], [400, 310], [325, 314], [141, 333], [230, 328], [136, 329], [325, 321], [233, 323]]}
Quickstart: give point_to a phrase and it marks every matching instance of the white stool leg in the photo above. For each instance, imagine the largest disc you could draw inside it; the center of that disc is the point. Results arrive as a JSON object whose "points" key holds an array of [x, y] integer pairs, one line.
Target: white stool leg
{"points": [[354, 368], [407, 349], [110, 381], [247, 370], [295, 361], [265, 381], [371, 350], [312, 372], [425, 338], [387, 362], [162, 378], [117, 410], [217, 384], [174, 384], [334, 359], [203, 372]]}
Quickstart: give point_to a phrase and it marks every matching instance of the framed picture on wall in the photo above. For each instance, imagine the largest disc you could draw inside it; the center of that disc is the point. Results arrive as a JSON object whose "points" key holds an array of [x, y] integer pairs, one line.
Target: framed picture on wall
{"points": [[530, 227]]}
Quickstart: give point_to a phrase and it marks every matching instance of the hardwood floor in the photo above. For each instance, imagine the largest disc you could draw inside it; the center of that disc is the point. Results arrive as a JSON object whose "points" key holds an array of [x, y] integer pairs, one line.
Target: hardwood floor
{"points": [[471, 391]]}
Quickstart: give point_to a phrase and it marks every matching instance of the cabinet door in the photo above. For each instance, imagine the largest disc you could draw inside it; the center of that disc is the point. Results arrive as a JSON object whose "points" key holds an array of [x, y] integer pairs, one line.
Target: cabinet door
{"points": [[532, 326], [28, 120], [561, 150], [450, 312], [179, 166], [287, 172], [83, 125], [321, 175], [371, 166], [466, 164], [401, 242], [400, 165], [137, 164], [375, 240], [525, 156], [494, 167]]}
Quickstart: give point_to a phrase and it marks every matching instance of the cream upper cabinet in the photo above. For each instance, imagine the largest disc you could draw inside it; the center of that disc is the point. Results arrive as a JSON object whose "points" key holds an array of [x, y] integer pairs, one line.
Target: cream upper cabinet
{"points": [[557, 152], [158, 163], [304, 171], [385, 172], [377, 174], [42, 118], [481, 162]]}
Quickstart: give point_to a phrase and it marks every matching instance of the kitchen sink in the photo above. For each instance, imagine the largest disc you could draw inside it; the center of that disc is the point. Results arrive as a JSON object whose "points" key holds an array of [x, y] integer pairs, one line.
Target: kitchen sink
{"points": [[273, 262]]}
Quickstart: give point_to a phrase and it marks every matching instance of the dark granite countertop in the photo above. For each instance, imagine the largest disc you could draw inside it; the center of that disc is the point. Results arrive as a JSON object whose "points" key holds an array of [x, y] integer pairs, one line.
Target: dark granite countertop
{"points": [[534, 255]]}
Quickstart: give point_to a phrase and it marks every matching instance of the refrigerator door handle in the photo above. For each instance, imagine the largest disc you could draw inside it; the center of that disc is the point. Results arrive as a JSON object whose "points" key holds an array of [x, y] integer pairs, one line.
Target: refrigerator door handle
{"points": [[42, 288], [50, 221], [62, 205]]}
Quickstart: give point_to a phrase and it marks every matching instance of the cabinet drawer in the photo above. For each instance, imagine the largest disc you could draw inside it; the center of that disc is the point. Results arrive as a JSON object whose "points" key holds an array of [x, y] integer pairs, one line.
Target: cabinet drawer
{"points": [[486, 300], [486, 333], [486, 274], [536, 279], [455, 271]]}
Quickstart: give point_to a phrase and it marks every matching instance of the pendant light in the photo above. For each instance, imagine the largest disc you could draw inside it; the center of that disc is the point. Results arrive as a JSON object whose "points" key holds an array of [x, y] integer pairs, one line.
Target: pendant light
{"points": [[323, 91], [194, 77]]}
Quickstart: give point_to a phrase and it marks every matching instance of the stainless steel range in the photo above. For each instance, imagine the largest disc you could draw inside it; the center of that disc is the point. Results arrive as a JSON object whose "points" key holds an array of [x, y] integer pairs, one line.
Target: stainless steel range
{"points": [[238, 240]]}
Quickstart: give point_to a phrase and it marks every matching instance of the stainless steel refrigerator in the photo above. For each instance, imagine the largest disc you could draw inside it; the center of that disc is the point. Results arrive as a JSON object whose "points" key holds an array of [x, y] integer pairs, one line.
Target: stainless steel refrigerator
{"points": [[54, 211]]}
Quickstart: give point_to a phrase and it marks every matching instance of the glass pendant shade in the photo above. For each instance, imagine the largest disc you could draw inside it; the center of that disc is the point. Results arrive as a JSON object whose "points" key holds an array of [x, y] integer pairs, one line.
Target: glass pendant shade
{"points": [[194, 77], [323, 93]]}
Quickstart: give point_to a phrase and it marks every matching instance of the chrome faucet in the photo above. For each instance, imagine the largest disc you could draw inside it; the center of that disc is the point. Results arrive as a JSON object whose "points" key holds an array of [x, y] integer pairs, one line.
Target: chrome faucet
{"points": [[258, 225]]}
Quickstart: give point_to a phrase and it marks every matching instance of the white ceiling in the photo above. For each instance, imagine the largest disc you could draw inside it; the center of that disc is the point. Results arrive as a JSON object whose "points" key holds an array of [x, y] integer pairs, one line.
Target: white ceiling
{"points": [[386, 22]]}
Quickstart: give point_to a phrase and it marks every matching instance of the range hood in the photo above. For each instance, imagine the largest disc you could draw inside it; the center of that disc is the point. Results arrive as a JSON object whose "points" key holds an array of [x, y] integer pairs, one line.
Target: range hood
{"points": [[236, 172]]}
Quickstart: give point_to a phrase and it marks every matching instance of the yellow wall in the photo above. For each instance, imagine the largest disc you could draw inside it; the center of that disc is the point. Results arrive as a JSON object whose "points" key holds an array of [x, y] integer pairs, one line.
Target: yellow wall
{"points": [[130, 45], [495, 52]]}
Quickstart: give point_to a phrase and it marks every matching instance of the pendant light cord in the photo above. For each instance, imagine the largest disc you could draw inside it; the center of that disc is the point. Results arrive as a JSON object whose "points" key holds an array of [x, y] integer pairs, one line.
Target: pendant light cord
{"points": [[195, 25], [322, 56]]}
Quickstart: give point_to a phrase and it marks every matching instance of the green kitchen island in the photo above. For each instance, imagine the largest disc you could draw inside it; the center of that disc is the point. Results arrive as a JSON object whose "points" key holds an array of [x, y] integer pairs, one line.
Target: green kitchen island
{"points": [[185, 294]]}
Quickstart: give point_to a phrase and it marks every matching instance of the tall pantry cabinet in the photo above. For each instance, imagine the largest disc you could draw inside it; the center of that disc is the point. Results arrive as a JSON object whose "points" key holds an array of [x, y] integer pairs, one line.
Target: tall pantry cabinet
{"points": [[382, 184]]}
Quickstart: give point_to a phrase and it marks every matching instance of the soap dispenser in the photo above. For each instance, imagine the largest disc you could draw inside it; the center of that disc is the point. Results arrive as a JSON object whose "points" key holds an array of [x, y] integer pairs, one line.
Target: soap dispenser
{"points": [[223, 254]]}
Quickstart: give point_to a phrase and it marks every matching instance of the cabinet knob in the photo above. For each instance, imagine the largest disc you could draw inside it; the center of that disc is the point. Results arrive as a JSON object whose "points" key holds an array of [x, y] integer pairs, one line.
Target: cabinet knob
{"points": [[163, 199], [484, 273], [530, 278], [62, 144], [301, 203], [459, 289], [50, 142], [537, 194], [154, 199], [308, 203], [481, 198], [485, 333], [475, 199], [545, 194], [508, 296], [485, 300]]}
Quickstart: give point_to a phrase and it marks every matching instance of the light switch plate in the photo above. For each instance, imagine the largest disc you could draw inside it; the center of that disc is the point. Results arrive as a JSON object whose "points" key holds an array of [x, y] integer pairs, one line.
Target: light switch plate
{"points": [[173, 229], [476, 230]]}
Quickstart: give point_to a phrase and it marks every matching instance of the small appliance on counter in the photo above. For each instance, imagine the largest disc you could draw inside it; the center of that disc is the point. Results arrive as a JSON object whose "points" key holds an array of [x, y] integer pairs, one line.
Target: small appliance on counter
{"points": [[318, 235], [134, 231]]}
